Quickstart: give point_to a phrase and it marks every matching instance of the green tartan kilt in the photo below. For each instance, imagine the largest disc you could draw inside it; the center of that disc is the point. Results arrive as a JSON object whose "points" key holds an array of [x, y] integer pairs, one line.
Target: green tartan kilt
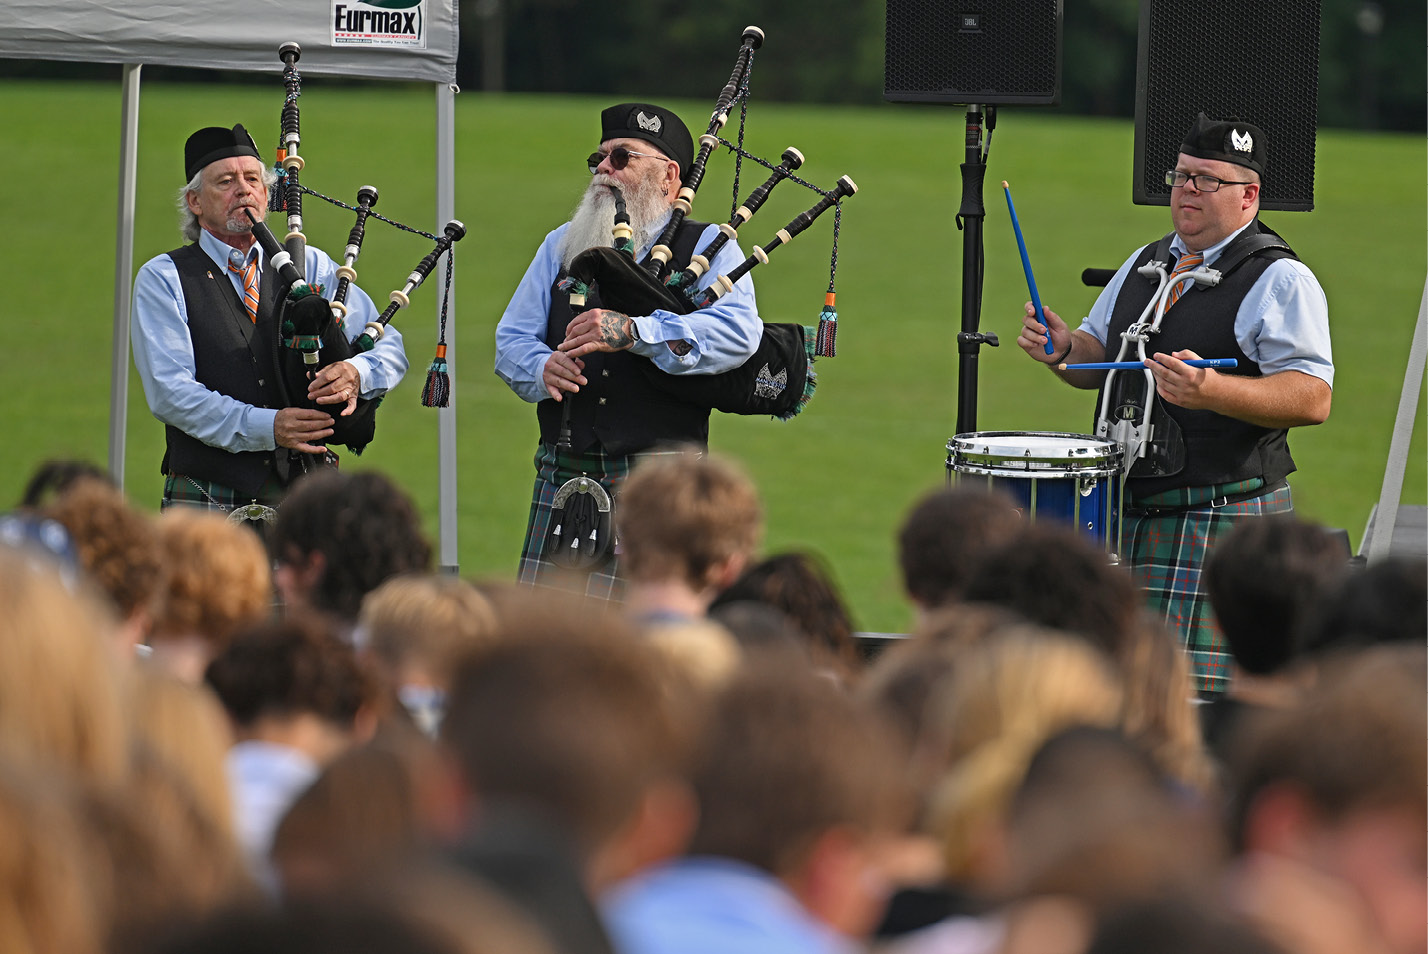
{"points": [[1168, 552]]}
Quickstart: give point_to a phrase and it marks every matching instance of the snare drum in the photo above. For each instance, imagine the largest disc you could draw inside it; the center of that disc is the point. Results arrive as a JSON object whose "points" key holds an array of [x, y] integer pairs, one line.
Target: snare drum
{"points": [[1070, 477]]}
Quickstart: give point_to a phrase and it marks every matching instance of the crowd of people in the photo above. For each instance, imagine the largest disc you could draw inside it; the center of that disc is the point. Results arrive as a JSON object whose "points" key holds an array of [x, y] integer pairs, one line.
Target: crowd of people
{"points": [[212, 740]]}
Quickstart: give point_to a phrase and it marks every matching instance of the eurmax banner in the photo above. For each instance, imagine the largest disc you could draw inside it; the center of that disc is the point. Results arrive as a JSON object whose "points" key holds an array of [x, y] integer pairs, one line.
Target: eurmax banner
{"points": [[385, 39], [379, 23]]}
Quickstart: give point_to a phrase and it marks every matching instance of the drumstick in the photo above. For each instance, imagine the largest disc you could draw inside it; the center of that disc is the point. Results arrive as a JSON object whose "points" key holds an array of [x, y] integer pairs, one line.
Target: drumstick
{"points": [[1132, 365], [1026, 266]]}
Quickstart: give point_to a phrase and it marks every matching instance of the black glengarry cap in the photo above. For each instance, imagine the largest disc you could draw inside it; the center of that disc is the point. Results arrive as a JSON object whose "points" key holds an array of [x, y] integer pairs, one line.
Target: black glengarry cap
{"points": [[212, 143], [1244, 144], [653, 124]]}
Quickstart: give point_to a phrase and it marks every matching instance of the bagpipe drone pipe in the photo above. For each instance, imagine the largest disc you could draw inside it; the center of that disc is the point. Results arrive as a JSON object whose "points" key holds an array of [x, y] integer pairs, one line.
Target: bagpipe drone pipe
{"points": [[312, 329], [778, 379]]}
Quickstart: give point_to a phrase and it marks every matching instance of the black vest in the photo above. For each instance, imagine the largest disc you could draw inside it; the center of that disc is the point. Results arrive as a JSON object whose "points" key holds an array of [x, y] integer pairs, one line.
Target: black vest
{"points": [[1218, 449], [621, 409], [233, 356]]}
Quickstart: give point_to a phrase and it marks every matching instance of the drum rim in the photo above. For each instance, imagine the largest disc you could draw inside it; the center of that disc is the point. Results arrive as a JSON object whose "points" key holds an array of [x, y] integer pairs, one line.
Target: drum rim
{"points": [[1104, 458]]}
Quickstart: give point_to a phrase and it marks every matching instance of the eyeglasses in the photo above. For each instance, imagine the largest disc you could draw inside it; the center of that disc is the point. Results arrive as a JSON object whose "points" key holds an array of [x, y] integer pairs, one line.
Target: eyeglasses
{"points": [[1203, 183], [619, 158]]}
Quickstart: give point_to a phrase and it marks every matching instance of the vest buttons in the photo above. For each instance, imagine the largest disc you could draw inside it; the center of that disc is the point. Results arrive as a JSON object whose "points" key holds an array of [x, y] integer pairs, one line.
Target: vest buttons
{"points": [[602, 400], [260, 382], [604, 372]]}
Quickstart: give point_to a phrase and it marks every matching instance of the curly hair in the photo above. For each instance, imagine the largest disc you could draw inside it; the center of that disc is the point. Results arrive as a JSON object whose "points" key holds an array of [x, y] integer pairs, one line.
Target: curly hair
{"points": [[363, 523], [296, 665], [118, 546], [801, 587], [218, 576]]}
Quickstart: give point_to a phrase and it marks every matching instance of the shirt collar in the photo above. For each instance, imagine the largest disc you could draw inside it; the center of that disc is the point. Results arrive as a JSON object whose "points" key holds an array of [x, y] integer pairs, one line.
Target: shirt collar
{"points": [[1213, 252], [225, 254]]}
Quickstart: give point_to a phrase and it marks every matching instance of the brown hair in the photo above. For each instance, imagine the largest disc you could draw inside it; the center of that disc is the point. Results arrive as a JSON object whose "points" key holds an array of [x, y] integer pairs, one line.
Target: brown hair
{"points": [[945, 534], [218, 576], [681, 515], [290, 666], [360, 817], [1355, 741], [568, 714], [787, 756]]}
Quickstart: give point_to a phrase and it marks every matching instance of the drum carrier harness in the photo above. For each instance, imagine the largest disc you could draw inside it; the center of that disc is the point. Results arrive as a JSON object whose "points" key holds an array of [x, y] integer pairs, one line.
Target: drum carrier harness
{"points": [[1129, 410]]}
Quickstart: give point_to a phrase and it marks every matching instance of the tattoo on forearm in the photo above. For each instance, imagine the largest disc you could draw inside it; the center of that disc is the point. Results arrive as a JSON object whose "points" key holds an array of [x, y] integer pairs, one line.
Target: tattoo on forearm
{"points": [[614, 330], [680, 347]]}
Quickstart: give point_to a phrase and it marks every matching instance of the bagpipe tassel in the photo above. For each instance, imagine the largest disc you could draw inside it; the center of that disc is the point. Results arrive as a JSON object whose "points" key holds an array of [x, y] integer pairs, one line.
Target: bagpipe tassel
{"points": [[827, 346], [437, 392]]}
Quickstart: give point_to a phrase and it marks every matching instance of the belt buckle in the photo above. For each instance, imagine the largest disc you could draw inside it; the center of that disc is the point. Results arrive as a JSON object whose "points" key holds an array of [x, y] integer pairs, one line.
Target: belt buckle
{"points": [[1220, 501]]}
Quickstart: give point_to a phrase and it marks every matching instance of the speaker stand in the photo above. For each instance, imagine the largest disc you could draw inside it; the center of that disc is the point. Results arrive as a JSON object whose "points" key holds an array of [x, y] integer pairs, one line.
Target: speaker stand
{"points": [[969, 222]]}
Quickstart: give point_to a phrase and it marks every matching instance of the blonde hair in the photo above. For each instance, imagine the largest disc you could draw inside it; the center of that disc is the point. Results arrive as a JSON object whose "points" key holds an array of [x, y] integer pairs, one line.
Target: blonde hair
{"points": [[700, 649], [60, 689], [51, 900], [682, 515], [1007, 697], [1159, 713], [219, 577], [184, 726], [432, 620]]}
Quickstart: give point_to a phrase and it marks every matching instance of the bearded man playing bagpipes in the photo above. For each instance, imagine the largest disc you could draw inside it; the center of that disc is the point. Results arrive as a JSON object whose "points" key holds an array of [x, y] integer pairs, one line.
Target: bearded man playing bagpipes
{"points": [[1204, 447], [600, 377], [206, 342]]}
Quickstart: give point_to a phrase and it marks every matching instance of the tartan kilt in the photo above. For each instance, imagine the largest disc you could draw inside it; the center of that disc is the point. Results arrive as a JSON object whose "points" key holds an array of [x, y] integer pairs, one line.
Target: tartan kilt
{"points": [[184, 491], [601, 581], [1168, 552]]}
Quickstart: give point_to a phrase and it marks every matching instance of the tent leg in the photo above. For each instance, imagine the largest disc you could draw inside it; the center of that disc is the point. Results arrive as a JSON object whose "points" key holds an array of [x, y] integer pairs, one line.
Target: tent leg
{"points": [[446, 416], [123, 271]]}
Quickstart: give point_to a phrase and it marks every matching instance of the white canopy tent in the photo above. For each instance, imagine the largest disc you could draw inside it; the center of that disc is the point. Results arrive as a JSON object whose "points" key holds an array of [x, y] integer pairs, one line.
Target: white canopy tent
{"points": [[385, 39]]}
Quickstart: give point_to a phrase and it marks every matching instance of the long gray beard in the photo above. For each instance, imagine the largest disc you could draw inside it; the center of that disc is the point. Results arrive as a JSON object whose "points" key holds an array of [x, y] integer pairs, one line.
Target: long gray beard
{"points": [[593, 218]]}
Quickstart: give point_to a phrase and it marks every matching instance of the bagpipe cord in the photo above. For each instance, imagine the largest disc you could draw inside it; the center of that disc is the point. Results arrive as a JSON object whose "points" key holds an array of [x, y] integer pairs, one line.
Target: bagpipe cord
{"points": [[825, 338], [437, 390]]}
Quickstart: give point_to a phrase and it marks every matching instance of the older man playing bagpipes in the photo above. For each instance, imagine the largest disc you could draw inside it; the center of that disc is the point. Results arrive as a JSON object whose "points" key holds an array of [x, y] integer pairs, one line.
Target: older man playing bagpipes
{"points": [[206, 340], [634, 322], [590, 361]]}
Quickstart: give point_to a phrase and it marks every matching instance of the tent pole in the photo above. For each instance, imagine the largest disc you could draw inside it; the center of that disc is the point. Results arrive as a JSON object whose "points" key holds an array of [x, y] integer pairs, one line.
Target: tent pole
{"points": [[446, 416], [123, 271]]}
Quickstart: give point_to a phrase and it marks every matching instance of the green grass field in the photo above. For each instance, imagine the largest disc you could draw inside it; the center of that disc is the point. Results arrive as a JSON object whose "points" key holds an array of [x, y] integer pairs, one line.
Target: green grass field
{"points": [[838, 479]]}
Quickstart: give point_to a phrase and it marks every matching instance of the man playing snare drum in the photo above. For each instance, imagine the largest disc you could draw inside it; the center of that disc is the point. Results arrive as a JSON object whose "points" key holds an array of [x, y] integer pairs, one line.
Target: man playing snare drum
{"points": [[1220, 449]]}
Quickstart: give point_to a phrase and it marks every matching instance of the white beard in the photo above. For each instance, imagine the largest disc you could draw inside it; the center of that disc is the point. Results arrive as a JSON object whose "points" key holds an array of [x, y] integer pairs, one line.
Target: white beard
{"points": [[590, 223]]}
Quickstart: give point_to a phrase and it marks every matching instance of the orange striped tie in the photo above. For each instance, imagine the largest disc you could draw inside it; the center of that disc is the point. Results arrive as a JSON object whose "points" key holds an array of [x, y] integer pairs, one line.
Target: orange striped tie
{"points": [[249, 271], [1188, 262]]}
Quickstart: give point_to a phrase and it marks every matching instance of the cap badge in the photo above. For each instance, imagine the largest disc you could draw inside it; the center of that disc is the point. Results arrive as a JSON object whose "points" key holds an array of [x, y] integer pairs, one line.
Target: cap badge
{"points": [[649, 123], [1242, 142]]}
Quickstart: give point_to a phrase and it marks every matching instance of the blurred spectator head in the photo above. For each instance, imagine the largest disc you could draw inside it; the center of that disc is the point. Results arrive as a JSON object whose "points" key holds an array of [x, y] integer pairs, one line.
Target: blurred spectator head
{"points": [[943, 537], [339, 536]]}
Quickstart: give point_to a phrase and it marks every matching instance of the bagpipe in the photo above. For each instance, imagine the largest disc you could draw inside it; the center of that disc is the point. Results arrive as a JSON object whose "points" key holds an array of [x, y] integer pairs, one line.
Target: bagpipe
{"points": [[778, 379], [312, 330]]}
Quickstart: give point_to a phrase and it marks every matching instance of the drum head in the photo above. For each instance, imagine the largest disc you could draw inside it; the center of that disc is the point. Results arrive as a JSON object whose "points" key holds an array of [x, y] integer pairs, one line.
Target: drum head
{"points": [[1033, 453]]}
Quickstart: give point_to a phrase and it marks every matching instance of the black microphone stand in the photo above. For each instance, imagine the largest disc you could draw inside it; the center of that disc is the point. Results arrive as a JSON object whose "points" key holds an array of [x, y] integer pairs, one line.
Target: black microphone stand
{"points": [[969, 221]]}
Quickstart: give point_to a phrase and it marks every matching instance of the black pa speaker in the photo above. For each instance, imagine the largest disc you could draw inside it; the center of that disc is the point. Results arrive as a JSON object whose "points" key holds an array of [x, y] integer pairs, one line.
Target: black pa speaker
{"points": [[1261, 67], [988, 52]]}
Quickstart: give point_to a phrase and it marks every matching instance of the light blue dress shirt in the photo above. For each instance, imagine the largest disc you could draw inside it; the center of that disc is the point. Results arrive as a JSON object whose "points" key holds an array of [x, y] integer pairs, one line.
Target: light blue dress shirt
{"points": [[708, 905], [163, 351], [723, 335], [1282, 324]]}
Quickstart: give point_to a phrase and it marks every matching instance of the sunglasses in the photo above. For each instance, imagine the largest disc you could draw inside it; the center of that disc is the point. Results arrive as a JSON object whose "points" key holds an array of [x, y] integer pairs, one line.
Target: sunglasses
{"points": [[619, 158]]}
